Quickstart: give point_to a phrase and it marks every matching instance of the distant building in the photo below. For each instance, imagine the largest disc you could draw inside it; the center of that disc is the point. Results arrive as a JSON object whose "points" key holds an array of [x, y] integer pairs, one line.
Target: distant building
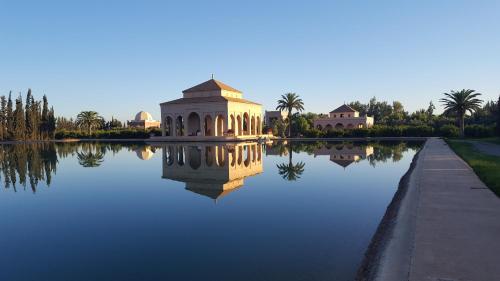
{"points": [[344, 117], [211, 110], [143, 120], [345, 154], [272, 116]]}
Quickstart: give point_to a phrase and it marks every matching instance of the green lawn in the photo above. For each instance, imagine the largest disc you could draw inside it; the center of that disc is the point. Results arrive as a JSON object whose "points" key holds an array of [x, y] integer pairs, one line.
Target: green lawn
{"points": [[487, 167], [495, 140]]}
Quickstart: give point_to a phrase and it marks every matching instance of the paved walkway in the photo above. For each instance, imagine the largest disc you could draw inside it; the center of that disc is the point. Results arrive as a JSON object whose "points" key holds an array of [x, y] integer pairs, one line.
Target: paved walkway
{"points": [[448, 227]]}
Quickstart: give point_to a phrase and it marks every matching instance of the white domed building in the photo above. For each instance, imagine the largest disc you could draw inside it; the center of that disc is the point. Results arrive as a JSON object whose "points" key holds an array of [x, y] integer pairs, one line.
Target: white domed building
{"points": [[144, 120]]}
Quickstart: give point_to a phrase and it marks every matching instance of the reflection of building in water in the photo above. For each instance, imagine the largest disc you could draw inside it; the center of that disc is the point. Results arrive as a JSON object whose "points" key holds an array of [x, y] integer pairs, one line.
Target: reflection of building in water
{"points": [[212, 170], [345, 154], [144, 153]]}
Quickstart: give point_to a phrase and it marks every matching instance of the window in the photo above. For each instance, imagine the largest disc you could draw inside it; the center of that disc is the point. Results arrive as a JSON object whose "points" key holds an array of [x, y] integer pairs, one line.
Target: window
{"points": [[341, 115], [348, 115]]}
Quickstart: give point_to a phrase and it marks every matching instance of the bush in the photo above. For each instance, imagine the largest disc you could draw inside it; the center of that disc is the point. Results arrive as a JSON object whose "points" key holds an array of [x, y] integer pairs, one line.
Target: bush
{"points": [[449, 131], [108, 134], [358, 132], [418, 131], [314, 133], [334, 133], [479, 131]]}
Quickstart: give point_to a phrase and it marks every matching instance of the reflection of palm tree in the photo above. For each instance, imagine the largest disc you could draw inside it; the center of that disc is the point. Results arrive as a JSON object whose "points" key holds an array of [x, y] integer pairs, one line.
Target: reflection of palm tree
{"points": [[90, 159], [291, 171]]}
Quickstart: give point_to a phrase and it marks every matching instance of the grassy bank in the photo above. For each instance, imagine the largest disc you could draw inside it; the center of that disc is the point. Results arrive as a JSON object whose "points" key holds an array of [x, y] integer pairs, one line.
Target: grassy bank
{"points": [[487, 167]]}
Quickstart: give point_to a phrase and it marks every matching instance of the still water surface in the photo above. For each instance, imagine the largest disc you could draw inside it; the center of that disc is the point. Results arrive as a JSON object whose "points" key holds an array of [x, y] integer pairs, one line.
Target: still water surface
{"points": [[100, 211]]}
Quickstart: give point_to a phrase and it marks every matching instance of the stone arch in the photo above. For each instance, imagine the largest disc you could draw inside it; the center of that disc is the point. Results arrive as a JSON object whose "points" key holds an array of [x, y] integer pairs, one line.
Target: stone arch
{"points": [[361, 125], [219, 125], [194, 126], [169, 155], [247, 155], [233, 157], [259, 129], [339, 126], [259, 152], [168, 126], [240, 155], [240, 125], [254, 153], [209, 156], [209, 125], [232, 123], [328, 127], [194, 157], [220, 155], [179, 126], [180, 156], [252, 125], [246, 124]]}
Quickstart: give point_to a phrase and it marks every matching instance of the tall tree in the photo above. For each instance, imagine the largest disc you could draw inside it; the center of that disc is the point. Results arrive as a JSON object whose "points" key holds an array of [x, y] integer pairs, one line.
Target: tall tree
{"points": [[51, 123], [10, 118], [88, 120], [29, 118], [498, 116], [3, 123], [288, 103], [19, 120], [461, 102], [44, 118]]}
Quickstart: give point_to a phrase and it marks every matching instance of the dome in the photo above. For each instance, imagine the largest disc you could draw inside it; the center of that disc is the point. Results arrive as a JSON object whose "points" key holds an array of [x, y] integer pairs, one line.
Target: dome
{"points": [[145, 153], [143, 116]]}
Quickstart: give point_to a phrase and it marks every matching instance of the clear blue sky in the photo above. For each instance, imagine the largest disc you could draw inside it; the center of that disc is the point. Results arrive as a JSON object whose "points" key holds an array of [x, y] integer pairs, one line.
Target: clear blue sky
{"points": [[120, 57]]}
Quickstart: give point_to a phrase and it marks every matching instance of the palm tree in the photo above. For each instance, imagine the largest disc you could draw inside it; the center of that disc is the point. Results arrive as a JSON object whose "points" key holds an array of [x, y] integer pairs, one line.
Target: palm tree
{"points": [[89, 120], [289, 102], [290, 171], [461, 102], [90, 159]]}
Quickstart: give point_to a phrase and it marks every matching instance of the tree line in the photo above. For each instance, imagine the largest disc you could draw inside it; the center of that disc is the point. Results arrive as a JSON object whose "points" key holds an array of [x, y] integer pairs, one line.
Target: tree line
{"points": [[32, 121], [462, 108]]}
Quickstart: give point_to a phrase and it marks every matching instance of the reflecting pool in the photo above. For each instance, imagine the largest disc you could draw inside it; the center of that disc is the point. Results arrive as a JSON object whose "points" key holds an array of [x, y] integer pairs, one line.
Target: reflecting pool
{"points": [[238, 211]]}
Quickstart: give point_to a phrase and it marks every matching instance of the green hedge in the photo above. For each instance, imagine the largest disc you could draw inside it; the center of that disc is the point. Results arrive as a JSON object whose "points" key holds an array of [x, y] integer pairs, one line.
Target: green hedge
{"points": [[447, 130], [108, 134], [479, 131]]}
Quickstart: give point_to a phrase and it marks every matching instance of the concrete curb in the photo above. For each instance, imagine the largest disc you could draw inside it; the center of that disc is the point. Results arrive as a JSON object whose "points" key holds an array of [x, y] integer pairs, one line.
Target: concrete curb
{"points": [[388, 256]]}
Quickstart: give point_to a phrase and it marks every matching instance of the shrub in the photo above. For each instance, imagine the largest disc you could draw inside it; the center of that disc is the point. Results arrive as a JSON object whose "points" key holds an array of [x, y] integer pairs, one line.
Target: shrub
{"points": [[334, 133], [314, 133], [449, 131], [418, 131], [108, 134], [479, 131], [358, 132]]}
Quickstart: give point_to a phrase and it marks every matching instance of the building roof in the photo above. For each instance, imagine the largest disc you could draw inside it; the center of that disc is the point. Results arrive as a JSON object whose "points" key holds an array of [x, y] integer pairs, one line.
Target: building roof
{"points": [[343, 108], [210, 85], [343, 163], [143, 116], [209, 99]]}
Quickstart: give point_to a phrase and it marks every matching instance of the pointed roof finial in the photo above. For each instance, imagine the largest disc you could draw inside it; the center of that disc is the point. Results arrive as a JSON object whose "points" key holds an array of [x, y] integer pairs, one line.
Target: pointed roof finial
{"points": [[212, 76]]}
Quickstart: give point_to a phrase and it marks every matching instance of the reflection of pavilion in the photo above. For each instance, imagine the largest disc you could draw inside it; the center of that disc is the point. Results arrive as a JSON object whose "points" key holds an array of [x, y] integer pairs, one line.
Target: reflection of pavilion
{"points": [[212, 170], [345, 154]]}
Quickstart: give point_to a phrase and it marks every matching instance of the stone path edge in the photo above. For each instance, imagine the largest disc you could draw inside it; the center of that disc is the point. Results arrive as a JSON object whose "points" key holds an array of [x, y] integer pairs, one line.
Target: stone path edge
{"points": [[371, 265]]}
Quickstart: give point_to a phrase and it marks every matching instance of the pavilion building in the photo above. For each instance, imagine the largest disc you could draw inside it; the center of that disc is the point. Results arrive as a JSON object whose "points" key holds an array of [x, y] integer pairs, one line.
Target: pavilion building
{"points": [[212, 170], [343, 117], [211, 110]]}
